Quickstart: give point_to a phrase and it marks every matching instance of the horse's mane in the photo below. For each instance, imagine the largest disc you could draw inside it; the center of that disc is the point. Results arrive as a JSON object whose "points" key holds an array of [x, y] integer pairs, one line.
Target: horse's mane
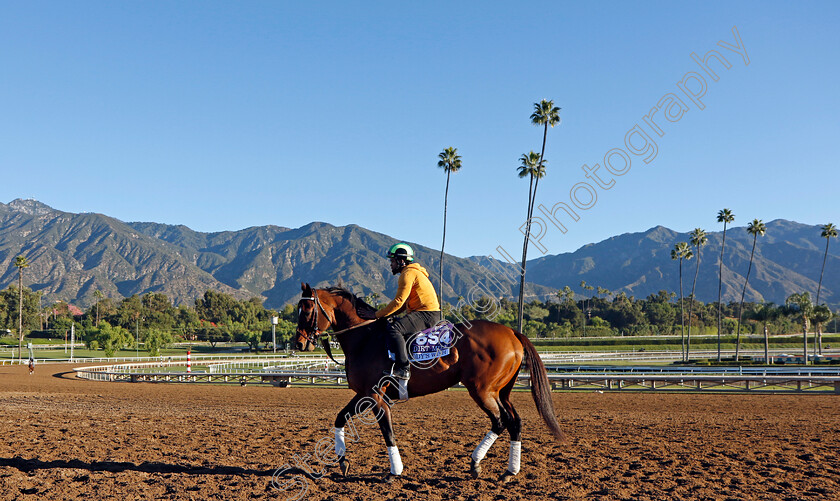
{"points": [[358, 303]]}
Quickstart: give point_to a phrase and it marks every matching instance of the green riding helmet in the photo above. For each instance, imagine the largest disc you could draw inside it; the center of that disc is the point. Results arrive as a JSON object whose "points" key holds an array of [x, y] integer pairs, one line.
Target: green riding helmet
{"points": [[401, 250]]}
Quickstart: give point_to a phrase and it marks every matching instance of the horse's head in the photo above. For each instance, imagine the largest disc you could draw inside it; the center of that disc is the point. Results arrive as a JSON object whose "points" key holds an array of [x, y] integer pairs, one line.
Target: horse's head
{"points": [[313, 319]]}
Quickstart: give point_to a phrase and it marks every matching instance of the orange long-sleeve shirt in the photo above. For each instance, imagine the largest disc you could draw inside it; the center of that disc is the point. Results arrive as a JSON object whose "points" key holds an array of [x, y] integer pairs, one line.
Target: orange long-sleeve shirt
{"points": [[414, 292]]}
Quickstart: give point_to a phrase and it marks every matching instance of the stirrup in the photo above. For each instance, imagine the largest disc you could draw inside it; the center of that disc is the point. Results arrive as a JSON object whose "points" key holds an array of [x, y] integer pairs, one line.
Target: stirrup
{"points": [[401, 383], [402, 372], [398, 373]]}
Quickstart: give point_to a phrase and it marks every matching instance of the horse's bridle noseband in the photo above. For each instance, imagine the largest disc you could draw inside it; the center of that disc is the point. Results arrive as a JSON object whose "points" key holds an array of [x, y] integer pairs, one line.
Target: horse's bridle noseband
{"points": [[316, 332]]}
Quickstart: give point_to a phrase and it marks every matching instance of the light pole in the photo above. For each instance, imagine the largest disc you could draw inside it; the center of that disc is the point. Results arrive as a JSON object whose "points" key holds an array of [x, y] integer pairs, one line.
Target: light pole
{"points": [[273, 334]]}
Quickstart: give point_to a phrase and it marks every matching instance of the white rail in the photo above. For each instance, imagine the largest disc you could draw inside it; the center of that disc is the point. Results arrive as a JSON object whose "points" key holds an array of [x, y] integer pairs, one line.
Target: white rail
{"points": [[320, 371]]}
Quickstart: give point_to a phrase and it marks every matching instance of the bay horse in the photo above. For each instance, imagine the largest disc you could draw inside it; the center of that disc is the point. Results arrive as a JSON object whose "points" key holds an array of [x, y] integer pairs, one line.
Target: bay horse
{"points": [[485, 357]]}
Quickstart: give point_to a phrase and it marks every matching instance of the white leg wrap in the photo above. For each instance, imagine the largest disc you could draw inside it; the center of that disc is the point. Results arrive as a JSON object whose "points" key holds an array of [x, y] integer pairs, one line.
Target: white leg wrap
{"points": [[484, 446], [340, 446], [396, 460], [515, 455]]}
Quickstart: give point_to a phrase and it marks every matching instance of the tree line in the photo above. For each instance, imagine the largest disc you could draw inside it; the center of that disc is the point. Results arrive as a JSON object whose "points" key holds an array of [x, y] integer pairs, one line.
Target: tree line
{"points": [[799, 303], [603, 313], [154, 322], [150, 320]]}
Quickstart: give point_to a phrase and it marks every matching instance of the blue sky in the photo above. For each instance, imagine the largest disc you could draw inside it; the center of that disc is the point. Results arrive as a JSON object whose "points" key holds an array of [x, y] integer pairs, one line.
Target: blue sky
{"points": [[225, 115]]}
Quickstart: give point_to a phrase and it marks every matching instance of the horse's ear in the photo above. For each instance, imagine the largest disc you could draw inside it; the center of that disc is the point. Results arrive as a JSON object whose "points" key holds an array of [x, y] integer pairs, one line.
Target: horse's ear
{"points": [[306, 289]]}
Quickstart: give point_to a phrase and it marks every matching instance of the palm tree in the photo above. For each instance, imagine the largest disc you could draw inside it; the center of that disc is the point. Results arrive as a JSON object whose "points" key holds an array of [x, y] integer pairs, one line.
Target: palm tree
{"points": [[545, 114], [682, 251], [698, 239], [533, 166], [765, 313], [20, 263], [724, 216], [755, 228], [564, 295], [98, 295], [449, 161], [585, 288], [829, 231], [603, 291], [821, 315], [801, 304]]}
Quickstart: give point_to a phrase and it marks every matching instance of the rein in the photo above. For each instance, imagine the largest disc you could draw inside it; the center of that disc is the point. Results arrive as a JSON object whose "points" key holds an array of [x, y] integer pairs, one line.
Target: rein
{"points": [[323, 336]]}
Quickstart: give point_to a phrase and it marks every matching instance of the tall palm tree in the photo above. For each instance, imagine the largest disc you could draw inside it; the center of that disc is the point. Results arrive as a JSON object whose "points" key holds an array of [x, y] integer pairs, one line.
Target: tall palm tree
{"points": [[603, 291], [766, 313], [698, 239], [724, 216], [533, 166], [822, 314], [585, 288], [20, 264], [801, 303], [545, 114], [829, 231], [449, 161], [682, 251], [564, 295], [755, 228], [97, 294]]}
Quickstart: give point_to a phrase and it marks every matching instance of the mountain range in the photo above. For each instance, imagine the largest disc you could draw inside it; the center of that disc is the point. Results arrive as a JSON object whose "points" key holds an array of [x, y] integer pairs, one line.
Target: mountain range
{"points": [[72, 255]]}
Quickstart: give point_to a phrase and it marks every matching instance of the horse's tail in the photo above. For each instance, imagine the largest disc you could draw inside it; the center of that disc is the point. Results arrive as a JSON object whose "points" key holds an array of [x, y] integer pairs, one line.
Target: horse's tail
{"points": [[540, 387]]}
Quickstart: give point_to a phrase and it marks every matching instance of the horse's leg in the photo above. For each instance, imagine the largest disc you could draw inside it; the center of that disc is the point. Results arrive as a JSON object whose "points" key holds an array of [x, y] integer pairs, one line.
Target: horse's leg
{"points": [[383, 414], [489, 403], [344, 415], [513, 423]]}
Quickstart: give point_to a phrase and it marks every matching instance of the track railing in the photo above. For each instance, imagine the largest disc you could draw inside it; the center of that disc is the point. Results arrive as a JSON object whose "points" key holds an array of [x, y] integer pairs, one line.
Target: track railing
{"points": [[320, 371]]}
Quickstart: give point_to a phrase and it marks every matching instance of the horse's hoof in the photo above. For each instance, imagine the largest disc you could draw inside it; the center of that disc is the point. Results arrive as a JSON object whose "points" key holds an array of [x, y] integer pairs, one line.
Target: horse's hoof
{"points": [[506, 477], [344, 466], [389, 478], [475, 468]]}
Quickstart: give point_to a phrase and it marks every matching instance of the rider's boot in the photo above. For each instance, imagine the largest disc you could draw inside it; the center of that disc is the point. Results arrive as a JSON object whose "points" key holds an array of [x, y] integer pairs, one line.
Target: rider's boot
{"points": [[400, 371]]}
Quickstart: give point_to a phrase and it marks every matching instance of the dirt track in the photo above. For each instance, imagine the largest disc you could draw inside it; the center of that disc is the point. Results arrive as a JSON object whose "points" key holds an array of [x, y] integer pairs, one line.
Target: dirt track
{"points": [[71, 439]]}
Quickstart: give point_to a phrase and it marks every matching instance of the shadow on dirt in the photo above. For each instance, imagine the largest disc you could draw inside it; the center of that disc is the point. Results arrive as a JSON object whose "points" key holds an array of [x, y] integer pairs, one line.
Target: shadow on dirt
{"points": [[29, 465]]}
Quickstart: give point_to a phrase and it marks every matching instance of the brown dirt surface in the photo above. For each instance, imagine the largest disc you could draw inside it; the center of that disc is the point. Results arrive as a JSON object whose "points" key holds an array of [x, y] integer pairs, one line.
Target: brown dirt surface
{"points": [[66, 438]]}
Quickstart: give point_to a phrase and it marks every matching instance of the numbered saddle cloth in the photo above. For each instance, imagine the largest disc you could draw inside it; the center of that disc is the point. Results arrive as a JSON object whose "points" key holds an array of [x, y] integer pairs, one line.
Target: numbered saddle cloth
{"points": [[432, 343]]}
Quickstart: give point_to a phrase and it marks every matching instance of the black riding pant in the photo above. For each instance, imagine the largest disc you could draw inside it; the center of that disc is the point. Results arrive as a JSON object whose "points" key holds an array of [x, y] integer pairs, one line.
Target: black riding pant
{"points": [[401, 327]]}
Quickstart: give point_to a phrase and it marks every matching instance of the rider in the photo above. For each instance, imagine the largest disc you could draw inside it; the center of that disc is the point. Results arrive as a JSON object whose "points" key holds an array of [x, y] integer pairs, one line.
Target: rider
{"points": [[416, 296]]}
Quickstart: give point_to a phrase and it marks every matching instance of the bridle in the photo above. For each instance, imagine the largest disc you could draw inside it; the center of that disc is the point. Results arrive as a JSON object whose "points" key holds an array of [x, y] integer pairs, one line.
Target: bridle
{"points": [[315, 330]]}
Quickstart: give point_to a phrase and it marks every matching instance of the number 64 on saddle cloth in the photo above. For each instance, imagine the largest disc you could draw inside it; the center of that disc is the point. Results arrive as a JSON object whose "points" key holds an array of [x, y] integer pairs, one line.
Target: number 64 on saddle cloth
{"points": [[432, 343]]}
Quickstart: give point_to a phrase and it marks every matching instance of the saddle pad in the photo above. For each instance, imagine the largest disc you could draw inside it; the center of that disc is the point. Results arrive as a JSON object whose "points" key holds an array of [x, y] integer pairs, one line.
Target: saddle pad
{"points": [[432, 343]]}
